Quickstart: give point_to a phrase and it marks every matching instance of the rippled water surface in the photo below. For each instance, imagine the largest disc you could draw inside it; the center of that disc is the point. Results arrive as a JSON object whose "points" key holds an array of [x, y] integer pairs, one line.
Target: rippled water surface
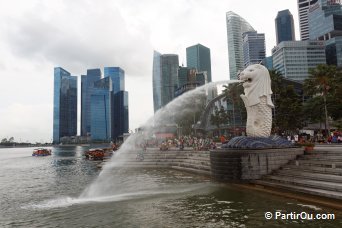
{"points": [[47, 192]]}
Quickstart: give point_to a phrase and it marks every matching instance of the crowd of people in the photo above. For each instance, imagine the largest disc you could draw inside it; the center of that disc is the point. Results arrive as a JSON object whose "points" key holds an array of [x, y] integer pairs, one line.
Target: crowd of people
{"points": [[187, 141]]}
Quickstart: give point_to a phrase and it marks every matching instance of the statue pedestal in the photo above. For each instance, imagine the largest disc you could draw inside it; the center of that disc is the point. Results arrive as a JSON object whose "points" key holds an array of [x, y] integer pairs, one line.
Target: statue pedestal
{"points": [[243, 165]]}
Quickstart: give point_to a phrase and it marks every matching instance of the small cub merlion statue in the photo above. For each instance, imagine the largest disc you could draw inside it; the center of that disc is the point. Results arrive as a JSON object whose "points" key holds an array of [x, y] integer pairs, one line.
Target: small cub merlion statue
{"points": [[257, 98]]}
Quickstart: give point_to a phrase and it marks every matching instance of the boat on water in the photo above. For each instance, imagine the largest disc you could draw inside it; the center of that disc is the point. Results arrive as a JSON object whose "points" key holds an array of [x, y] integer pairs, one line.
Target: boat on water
{"points": [[41, 152], [95, 154]]}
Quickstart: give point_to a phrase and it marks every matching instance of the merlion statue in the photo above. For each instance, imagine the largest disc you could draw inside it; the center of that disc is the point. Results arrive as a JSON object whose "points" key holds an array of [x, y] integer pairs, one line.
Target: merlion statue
{"points": [[257, 98]]}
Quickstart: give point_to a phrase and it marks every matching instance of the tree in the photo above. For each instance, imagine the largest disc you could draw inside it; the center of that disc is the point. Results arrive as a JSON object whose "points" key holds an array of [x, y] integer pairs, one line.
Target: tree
{"points": [[4, 140], [232, 96], [288, 107], [289, 110], [325, 81], [219, 117]]}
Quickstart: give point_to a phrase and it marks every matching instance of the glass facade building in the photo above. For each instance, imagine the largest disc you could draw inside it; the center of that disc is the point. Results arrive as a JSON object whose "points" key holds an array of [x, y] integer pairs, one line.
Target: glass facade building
{"points": [[303, 13], [165, 78], [87, 86], [284, 26], [100, 109], [64, 104], [254, 50], [109, 108], [120, 114], [236, 26], [293, 59], [118, 78], [325, 21], [268, 62], [198, 56]]}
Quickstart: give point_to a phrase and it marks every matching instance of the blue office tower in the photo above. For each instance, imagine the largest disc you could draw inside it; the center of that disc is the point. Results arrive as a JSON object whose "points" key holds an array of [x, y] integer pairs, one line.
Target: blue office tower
{"points": [[64, 104], [100, 110], [109, 106], [118, 78], [325, 23], [284, 26], [198, 56], [120, 114], [87, 86]]}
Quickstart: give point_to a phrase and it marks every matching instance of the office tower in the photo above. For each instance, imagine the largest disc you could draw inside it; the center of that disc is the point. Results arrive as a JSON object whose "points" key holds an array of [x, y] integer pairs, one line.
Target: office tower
{"points": [[189, 79], [165, 77], [284, 26], [120, 114], [100, 110], [268, 62], [325, 20], [87, 85], [118, 78], [183, 74], [198, 56], [303, 11], [254, 50], [64, 104], [109, 106], [293, 59], [236, 26]]}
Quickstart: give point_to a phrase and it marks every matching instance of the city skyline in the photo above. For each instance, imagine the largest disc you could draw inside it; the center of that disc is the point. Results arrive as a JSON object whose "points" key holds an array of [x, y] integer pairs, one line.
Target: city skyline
{"points": [[75, 36]]}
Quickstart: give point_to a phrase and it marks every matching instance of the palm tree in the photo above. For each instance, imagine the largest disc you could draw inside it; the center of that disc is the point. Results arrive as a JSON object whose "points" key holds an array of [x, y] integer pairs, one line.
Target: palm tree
{"points": [[320, 83]]}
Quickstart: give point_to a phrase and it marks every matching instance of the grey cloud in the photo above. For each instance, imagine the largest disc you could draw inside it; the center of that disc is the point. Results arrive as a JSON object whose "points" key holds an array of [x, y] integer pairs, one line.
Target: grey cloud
{"points": [[100, 37]]}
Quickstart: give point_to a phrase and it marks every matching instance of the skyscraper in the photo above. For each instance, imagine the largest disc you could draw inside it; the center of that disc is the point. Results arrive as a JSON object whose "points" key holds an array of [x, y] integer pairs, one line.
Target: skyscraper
{"points": [[100, 114], [325, 20], [64, 104], [254, 50], [284, 26], [198, 56], [87, 85], [303, 11], [165, 76], [118, 78], [293, 59], [120, 114], [236, 26]]}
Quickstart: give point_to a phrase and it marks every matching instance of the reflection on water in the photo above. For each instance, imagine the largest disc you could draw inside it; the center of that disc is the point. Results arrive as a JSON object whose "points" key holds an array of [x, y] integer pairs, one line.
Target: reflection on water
{"points": [[44, 191]]}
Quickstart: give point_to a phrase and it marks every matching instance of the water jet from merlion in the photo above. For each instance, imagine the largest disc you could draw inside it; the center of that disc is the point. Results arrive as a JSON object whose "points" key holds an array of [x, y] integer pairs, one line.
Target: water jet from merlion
{"points": [[109, 184]]}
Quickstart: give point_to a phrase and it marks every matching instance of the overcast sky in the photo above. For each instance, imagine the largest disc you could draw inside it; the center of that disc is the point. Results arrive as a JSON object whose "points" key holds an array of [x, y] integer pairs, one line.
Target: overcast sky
{"points": [[38, 35]]}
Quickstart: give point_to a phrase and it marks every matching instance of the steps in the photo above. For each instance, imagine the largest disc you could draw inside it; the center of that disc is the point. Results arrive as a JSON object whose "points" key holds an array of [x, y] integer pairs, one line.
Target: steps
{"points": [[185, 160], [318, 173]]}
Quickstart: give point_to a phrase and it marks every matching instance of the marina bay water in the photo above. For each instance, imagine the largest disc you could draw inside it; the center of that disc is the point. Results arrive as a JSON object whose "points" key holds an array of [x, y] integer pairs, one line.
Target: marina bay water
{"points": [[45, 192]]}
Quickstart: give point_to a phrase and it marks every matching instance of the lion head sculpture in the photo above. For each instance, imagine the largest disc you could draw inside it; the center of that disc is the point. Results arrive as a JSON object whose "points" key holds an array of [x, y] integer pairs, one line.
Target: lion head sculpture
{"points": [[256, 83]]}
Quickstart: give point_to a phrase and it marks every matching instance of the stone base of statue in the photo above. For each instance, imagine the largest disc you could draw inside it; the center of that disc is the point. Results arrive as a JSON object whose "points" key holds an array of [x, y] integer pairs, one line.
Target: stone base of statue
{"points": [[247, 159]]}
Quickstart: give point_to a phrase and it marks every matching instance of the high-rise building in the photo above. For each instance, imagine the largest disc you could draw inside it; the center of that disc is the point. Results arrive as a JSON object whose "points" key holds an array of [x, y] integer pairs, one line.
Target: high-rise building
{"points": [[284, 26], [118, 78], [87, 85], [165, 78], [254, 50], [293, 59], [303, 12], [325, 20], [268, 62], [120, 114], [198, 56], [236, 26], [64, 104], [189, 79], [100, 110], [109, 106]]}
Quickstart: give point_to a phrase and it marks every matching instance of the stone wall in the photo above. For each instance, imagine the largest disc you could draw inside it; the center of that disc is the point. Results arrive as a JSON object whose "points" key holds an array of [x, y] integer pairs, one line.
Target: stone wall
{"points": [[243, 165]]}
